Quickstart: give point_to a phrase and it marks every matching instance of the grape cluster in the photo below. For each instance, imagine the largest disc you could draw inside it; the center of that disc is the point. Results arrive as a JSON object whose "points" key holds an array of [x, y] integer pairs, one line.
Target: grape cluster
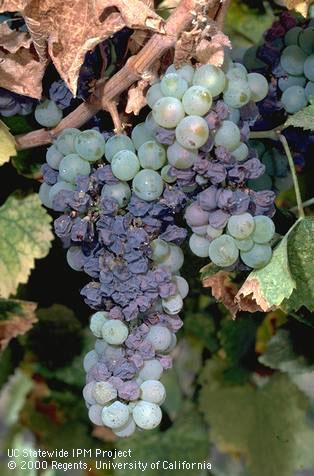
{"points": [[119, 200], [203, 116], [277, 175], [12, 104], [287, 58], [127, 242]]}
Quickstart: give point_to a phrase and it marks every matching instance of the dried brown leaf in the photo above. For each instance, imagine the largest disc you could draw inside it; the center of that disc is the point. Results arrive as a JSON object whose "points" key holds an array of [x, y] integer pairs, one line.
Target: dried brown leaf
{"points": [[72, 29], [17, 324], [12, 5], [300, 6], [136, 98], [212, 51], [21, 73], [225, 291], [252, 290], [13, 40], [137, 40]]}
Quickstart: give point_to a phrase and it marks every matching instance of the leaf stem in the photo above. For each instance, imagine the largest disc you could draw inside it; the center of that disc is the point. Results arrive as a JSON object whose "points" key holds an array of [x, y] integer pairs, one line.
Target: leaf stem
{"points": [[305, 204], [297, 192]]}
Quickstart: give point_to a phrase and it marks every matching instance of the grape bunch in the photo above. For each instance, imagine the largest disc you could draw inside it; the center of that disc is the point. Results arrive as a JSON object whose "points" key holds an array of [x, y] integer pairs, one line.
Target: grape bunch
{"points": [[12, 104], [119, 200], [127, 242], [287, 59], [203, 116]]}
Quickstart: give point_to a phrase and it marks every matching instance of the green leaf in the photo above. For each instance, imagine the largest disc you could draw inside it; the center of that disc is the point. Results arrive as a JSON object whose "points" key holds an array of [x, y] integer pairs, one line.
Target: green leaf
{"points": [[287, 280], [303, 119], [17, 124], [7, 144], [186, 440], [246, 25], [25, 236], [300, 253], [258, 422], [280, 355], [14, 396]]}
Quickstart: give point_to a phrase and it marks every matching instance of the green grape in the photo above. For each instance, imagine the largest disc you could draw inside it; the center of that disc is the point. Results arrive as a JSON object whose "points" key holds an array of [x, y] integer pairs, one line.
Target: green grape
{"points": [[258, 146], [65, 141], [192, 132], [211, 78], [237, 71], [153, 94], [151, 155], [57, 187], [90, 145], [228, 136], [148, 185], [292, 35], [199, 245], [306, 40], [251, 61], [257, 257], [258, 86], [160, 250], [172, 85], [168, 112], [117, 143], [241, 226], [309, 91], [237, 93], [264, 229], [309, 67], [294, 99], [174, 261], [53, 157], [121, 192], [292, 60], [197, 100], [223, 251], [212, 232], [234, 115], [264, 182], [180, 157], [72, 166], [244, 245], [285, 82], [150, 124], [186, 72], [48, 114], [43, 194], [166, 176], [125, 165], [241, 152], [141, 134]]}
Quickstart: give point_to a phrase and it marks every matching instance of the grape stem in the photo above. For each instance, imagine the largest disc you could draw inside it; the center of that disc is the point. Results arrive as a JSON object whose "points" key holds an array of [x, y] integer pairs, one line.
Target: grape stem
{"points": [[297, 192], [307, 203], [275, 134], [106, 93]]}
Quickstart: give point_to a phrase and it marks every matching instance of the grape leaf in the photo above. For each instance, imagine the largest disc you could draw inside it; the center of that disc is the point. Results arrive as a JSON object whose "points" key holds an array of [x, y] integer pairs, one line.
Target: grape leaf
{"points": [[287, 281], [186, 440], [25, 235], [245, 25], [16, 318], [257, 422], [303, 119], [7, 144], [280, 355], [300, 253], [13, 397], [68, 30], [271, 284]]}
